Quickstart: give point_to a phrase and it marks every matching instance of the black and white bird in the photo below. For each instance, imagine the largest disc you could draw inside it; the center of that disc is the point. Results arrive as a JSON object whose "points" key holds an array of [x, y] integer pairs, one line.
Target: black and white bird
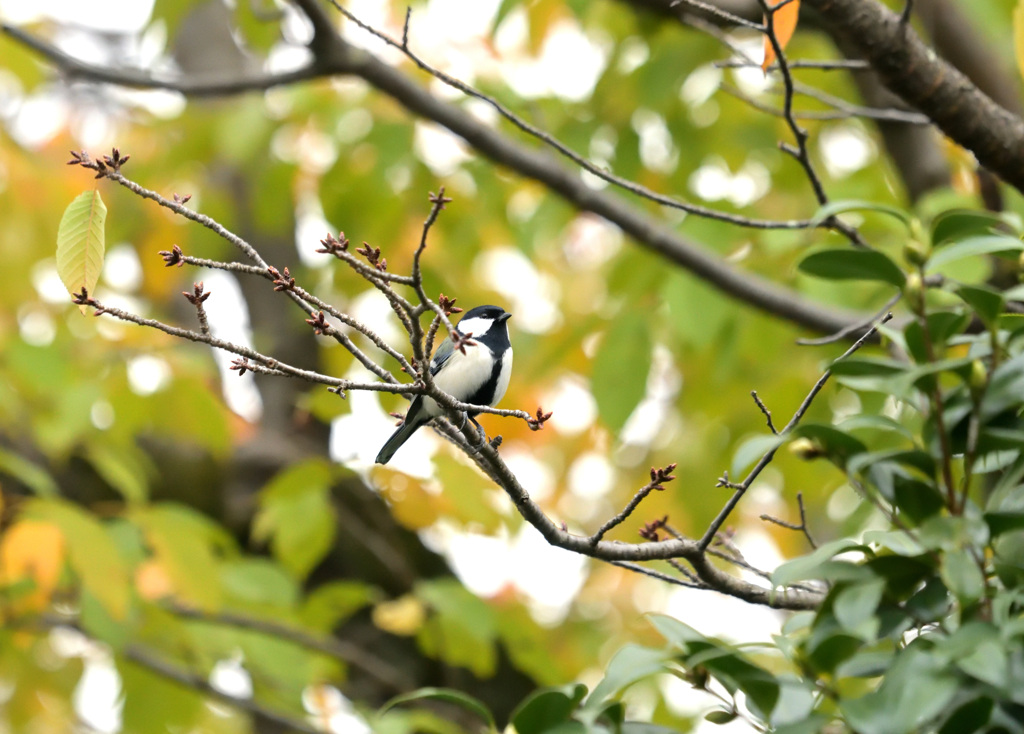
{"points": [[478, 376]]}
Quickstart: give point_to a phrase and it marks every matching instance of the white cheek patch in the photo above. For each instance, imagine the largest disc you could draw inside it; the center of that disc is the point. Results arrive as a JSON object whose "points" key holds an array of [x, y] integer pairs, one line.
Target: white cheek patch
{"points": [[475, 326]]}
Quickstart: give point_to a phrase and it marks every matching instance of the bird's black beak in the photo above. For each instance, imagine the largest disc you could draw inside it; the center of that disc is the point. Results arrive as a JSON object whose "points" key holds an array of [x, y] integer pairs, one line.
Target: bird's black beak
{"points": [[504, 317]]}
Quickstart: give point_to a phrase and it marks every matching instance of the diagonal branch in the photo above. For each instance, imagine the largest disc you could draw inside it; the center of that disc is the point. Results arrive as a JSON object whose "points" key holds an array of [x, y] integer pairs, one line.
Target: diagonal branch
{"points": [[334, 56]]}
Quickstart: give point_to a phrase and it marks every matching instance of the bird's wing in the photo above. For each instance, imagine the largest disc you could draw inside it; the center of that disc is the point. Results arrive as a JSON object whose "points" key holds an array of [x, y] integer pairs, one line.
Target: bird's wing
{"points": [[442, 355]]}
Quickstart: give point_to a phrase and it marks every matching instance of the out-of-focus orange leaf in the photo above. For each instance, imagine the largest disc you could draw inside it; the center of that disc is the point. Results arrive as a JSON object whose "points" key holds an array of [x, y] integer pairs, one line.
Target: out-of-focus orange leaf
{"points": [[784, 24], [32, 549], [153, 582]]}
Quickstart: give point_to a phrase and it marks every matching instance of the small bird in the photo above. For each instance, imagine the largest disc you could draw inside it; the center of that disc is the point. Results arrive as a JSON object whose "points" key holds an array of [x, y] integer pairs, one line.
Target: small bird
{"points": [[479, 375]]}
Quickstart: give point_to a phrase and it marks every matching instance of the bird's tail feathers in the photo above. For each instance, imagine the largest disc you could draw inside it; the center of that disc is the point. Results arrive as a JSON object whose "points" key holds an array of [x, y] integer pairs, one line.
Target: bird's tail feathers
{"points": [[399, 437]]}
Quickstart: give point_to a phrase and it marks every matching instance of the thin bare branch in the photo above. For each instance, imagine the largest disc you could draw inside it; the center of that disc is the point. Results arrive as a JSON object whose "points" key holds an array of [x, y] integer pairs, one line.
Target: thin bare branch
{"points": [[740, 489]]}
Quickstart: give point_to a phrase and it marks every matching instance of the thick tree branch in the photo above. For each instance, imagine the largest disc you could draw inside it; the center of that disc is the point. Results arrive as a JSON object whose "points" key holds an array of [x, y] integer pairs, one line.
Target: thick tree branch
{"points": [[913, 71]]}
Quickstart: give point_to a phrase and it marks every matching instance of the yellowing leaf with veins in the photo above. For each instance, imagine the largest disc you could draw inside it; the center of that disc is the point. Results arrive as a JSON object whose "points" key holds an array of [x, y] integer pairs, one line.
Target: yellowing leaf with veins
{"points": [[80, 243], [784, 23]]}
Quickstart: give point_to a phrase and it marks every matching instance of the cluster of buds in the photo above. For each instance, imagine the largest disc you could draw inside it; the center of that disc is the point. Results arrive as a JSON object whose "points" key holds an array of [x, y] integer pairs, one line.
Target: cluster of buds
{"points": [[82, 298], [439, 199], [174, 256], [460, 341], [112, 162], [282, 281], [372, 255], [661, 476], [541, 418], [448, 305], [319, 323], [333, 245], [179, 199], [650, 530], [198, 296]]}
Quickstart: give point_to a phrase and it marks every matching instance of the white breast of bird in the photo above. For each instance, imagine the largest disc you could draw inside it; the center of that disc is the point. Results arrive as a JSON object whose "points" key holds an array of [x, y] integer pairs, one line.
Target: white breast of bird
{"points": [[464, 374]]}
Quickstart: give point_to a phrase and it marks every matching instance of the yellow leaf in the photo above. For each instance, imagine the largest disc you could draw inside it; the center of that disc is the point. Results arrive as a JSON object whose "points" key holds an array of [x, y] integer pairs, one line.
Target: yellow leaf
{"points": [[1018, 35], [32, 549], [403, 616], [152, 581], [784, 24], [80, 243]]}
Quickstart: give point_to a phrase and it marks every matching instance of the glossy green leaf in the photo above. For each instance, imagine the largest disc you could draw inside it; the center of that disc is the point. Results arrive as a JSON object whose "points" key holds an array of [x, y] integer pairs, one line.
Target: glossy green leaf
{"points": [[853, 265], [916, 688], [544, 709], [959, 224], [623, 360], [809, 566], [835, 444], [985, 302], [628, 665], [81, 242], [854, 607], [972, 247], [961, 574], [854, 205], [446, 695]]}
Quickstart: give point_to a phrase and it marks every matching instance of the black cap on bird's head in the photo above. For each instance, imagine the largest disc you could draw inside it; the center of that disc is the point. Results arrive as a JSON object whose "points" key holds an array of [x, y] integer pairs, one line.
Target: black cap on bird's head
{"points": [[486, 323]]}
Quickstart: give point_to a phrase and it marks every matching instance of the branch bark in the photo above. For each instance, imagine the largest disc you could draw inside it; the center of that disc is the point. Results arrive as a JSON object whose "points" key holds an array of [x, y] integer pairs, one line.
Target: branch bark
{"points": [[913, 71]]}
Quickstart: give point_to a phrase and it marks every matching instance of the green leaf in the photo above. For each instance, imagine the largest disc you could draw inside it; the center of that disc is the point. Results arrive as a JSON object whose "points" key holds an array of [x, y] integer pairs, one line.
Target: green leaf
{"points": [[809, 566], [544, 709], [837, 445], [841, 264], [446, 695], [28, 473], [92, 553], [258, 582], [123, 468], [729, 666], [972, 247], [182, 545], [958, 224], [963, 577], [332, 603], [753, 449], [630, 664], [720, 716], [1004, 521], [854, 607], [296, 515], [915, 690], [868, 366], [463, 629], [969, 718], [852, 205], [80, 243], [621, 365], [985, 302]]}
